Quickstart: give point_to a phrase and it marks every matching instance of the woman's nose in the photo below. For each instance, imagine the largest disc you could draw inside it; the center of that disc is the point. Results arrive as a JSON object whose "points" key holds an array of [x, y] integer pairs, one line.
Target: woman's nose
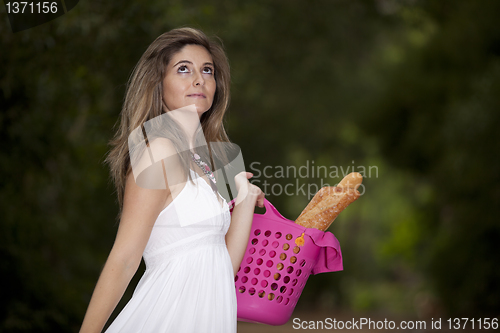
{"points": [[198, 80]]}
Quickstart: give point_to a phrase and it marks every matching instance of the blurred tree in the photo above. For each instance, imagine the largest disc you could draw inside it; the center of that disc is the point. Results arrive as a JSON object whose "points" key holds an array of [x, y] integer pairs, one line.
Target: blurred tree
{"points": [[439, 118]]}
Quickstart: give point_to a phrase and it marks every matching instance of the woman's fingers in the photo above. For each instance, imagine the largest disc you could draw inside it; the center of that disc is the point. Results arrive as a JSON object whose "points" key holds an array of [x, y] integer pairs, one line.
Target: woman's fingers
{"points": [[260, 200], [259, 195], [241, 180]]}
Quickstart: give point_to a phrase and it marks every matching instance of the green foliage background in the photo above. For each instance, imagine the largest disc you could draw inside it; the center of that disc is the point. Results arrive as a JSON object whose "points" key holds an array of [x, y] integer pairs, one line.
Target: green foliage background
{"points": [[410, 88]]}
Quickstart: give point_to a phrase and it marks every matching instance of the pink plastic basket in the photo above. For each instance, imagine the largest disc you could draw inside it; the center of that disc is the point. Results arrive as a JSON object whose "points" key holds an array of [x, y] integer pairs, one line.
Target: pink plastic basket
{"points": [[277, 264]]}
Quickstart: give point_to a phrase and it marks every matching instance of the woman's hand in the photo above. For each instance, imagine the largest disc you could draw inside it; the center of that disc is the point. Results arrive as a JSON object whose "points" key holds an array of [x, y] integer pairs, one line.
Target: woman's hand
{"points": [[248, 190]]}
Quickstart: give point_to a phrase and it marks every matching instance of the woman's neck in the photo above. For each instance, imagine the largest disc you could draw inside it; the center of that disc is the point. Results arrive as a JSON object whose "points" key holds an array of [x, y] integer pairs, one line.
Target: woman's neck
{"points": [[189, 120]]}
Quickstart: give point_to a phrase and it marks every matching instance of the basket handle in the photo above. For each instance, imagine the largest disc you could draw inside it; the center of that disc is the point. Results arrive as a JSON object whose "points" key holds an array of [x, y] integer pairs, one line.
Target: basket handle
{"points": [[270, 209]]}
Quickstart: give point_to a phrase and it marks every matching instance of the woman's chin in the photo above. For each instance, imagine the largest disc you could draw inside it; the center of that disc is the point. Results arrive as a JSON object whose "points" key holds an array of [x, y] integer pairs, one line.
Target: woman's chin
{"points": [[201, 108]]}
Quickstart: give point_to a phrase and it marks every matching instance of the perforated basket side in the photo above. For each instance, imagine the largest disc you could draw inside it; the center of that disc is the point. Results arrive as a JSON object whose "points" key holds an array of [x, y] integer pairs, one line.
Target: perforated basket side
{"points": [[274, 271]]}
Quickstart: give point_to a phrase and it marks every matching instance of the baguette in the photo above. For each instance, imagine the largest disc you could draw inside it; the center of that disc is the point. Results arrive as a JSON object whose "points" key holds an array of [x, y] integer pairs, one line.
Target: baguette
{"points": [[329, 202], [315, 200], [352, 181]]}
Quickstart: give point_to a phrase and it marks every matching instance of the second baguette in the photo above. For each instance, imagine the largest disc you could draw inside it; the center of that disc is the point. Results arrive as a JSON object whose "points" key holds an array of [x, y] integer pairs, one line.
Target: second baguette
{"points": [[329, 201], [334, 200]]}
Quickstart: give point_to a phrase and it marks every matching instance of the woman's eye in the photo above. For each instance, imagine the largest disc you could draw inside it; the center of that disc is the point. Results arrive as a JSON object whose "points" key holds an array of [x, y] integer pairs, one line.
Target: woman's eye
{"points": [[185, 69]]}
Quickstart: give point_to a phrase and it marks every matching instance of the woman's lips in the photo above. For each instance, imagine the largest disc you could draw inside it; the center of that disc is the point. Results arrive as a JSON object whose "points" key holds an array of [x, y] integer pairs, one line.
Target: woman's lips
{"points": [[197, 95]]}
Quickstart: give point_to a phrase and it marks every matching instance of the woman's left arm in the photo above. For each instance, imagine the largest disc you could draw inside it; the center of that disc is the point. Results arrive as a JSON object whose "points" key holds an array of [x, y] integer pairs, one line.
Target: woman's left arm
{"points": [[248, 197]]}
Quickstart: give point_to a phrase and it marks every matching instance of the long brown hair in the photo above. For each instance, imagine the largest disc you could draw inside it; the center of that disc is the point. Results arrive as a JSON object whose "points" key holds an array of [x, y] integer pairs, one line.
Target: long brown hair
{"points": [[143, 100]]}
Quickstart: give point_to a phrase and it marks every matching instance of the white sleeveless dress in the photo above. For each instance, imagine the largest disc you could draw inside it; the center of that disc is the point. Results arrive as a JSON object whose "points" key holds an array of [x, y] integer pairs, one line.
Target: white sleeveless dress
{"points": [[188, 285]]}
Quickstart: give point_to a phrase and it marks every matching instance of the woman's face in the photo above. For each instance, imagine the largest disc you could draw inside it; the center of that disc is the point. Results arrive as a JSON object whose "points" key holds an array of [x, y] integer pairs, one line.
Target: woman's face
{"points": [[190, 79]]}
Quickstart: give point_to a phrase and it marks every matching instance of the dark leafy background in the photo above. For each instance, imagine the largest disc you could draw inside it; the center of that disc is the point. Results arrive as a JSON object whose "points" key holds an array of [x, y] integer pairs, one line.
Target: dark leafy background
{"points": [[409, 88]]}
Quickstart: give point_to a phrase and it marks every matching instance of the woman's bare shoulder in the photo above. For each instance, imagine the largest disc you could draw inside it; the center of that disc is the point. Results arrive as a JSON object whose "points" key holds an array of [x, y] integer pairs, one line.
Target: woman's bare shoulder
{"points": [[162, 148], [147, 193]]}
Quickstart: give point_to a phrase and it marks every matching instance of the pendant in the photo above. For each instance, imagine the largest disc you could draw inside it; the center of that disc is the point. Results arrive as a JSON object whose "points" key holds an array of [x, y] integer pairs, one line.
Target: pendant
{"points": [[204, 167]]}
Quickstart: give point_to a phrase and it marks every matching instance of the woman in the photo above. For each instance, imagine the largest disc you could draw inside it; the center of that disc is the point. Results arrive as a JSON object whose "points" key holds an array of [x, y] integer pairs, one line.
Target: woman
{"points": [[191, 262]]}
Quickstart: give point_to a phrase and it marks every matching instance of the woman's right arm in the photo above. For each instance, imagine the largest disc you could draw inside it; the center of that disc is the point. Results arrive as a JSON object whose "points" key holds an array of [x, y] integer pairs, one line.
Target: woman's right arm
{"points": [[141, 208]]}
